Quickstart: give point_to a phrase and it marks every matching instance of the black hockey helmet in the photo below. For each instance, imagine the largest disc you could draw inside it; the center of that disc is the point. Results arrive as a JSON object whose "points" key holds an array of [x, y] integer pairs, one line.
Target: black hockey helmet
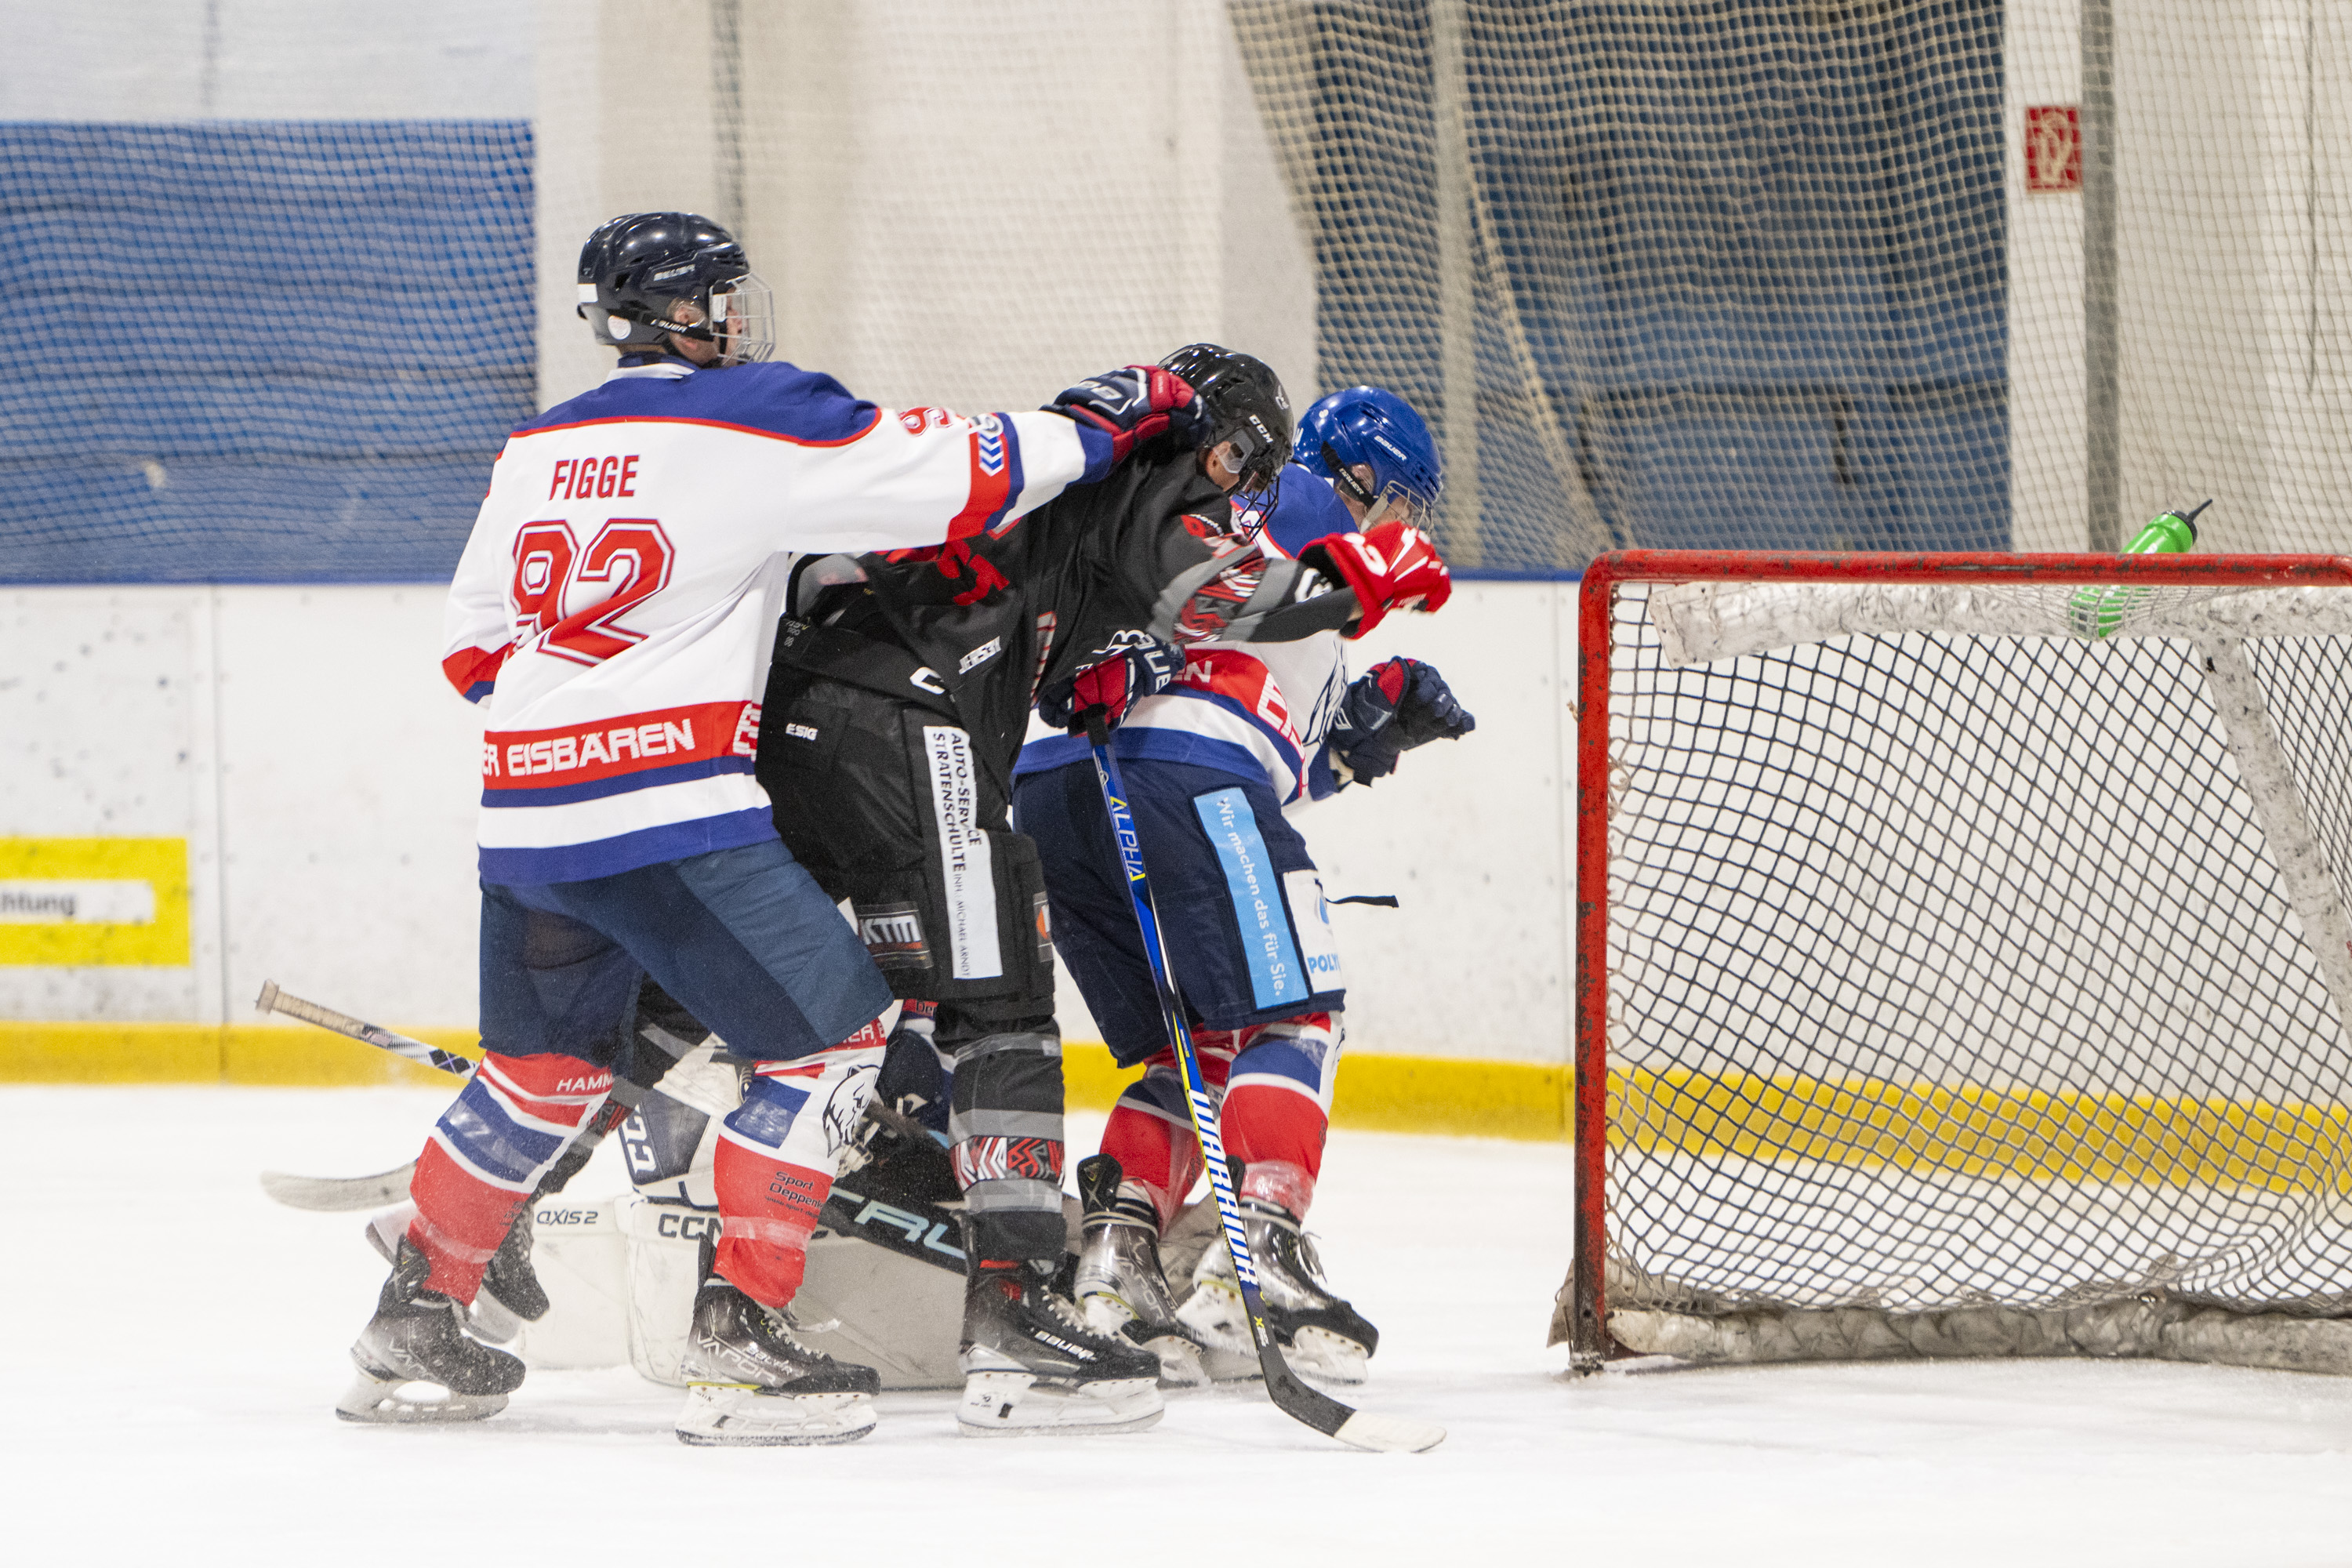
{"points": [[1247, 407], [635, 269]]}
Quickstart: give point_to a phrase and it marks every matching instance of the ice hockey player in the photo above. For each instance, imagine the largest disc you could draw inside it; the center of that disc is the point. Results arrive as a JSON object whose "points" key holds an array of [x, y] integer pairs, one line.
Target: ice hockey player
{"points": [[894, 715], [614, 608], [1210, 763]]}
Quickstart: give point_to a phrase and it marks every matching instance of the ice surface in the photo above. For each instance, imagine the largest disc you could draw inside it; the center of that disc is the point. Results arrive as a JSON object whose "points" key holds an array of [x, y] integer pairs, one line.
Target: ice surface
{"points": [[174, 1342]]}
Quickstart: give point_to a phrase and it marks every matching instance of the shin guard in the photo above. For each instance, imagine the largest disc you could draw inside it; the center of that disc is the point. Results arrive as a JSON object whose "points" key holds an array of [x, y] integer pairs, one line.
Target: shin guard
{"points": [[486, 1155], [1279, 1108], [1150, 1132], [776, 1158]]}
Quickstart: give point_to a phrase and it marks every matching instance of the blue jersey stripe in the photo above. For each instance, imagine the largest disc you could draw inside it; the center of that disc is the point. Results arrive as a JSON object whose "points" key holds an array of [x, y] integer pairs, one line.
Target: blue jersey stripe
{"points": [[627, 851], [619, 783]]}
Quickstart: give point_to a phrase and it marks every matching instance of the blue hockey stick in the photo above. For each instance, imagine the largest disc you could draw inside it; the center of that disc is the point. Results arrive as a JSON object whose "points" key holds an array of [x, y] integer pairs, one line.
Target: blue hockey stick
{"points": [[1362, 1428]]}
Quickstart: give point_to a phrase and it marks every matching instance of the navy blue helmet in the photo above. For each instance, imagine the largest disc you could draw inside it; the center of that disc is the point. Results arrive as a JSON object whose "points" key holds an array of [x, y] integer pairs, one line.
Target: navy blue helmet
{"points": [[637, 270], [1377, 430]]}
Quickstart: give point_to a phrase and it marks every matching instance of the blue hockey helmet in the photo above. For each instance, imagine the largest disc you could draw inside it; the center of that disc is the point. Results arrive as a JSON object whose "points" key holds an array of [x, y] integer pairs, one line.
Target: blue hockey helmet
{"points": [[1372, 429]]}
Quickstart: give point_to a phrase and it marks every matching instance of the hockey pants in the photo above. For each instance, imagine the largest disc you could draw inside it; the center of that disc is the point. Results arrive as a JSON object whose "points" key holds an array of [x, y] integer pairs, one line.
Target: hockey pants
{"points": [[749, 944], [890, 805]]}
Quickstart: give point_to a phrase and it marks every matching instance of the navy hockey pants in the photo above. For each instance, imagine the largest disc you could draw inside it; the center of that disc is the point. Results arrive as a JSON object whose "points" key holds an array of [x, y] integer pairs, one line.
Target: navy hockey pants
{"points": [[1240, 903], [744, 939]]}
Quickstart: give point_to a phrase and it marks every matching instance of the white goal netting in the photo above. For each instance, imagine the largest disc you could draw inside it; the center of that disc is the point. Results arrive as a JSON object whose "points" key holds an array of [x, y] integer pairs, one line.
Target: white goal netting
{"points": [[1976, 957]]}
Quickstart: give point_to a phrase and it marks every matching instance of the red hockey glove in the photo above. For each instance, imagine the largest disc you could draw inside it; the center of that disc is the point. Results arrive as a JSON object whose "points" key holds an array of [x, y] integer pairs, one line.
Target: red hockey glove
{"points": [[1133, 406], [1125, 676], [1391, 565]]}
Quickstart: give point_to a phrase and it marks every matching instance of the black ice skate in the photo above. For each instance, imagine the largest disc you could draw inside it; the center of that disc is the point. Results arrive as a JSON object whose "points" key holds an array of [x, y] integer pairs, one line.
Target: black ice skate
{"points": [[1322, 1336], [1119, 1285], [510, 1295], [1031, 1364], [419, 1336], [749, 1383]]}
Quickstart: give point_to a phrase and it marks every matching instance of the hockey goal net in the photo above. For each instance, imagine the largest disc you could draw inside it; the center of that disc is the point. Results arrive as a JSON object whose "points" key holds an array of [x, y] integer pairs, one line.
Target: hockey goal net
{"points": [[1961, 959]]}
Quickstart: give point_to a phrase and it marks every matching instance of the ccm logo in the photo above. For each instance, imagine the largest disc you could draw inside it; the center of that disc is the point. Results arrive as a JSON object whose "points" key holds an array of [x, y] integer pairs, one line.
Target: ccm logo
{"points": [[687, 1226]]}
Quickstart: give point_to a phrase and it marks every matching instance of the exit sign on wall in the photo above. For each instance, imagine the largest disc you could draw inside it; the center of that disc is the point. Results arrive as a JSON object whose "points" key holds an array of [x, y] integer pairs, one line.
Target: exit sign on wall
{"points": [[2054, 148]]}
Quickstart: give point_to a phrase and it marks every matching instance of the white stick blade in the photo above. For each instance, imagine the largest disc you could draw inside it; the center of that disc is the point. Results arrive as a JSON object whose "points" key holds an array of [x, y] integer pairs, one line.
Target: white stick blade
{"points": [[1390, 1433], [339, 1195]]}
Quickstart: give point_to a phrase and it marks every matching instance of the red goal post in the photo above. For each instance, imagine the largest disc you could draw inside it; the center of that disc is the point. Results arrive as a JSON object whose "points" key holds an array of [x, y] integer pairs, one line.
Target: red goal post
{"points": [[1927, 652]]}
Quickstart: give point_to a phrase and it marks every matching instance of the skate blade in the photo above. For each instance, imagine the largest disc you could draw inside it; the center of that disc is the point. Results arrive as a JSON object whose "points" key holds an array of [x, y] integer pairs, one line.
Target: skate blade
{"points": [[1214, 1312], [380, 1401], [1322, 1356], [1180, 1358], [740, 1416], [1019, 1404], [1180, 1362]]}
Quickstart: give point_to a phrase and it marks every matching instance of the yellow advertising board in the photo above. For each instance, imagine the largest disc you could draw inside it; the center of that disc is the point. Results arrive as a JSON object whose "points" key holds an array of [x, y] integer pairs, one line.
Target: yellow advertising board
{"points": [[94, 902]]}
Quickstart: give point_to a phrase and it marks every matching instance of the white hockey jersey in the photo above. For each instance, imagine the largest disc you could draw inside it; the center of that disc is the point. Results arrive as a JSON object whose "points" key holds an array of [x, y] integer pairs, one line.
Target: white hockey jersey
{"points": [[617, 604]]}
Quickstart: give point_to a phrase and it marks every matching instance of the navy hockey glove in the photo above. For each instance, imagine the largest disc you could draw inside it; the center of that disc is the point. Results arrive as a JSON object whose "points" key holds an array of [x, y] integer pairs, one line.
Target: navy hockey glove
{"points": [[1133, 406], [1127, 673], [1396, 705]]}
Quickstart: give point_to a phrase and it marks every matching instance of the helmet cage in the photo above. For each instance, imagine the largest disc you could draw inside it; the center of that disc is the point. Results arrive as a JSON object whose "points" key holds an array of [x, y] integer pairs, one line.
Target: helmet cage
{"points": [[737, 313]]}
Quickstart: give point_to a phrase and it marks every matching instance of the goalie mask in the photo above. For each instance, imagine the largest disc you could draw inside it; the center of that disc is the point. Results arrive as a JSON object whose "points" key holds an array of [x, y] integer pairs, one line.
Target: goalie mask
{"points": [[645, 276]]}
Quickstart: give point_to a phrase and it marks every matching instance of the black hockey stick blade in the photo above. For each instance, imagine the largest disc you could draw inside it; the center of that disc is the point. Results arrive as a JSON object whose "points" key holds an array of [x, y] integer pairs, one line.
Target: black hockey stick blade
{"points": [[339, 1194], [1357, 1428]]}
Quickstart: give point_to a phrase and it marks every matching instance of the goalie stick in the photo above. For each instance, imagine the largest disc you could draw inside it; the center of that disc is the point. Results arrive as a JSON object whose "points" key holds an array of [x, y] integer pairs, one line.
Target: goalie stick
{"points": [[1360, 1428]]}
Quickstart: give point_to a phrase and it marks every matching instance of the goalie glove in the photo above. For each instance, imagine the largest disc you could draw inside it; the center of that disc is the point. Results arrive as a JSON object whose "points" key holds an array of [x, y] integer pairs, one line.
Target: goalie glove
{"points": [[1396, 705], [1391, 565], [1124, 674], [1134, 405]]}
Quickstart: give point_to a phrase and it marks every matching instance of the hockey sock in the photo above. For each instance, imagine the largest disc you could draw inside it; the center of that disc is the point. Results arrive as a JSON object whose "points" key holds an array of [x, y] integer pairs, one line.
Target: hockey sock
{"points": [[1278, 1108], [1004, 1127], [486, 1153], [776, 1158], [1150, 1132]]}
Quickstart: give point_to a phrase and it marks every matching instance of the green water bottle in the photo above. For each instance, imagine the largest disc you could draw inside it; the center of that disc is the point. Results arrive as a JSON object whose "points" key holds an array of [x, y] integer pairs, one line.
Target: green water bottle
{"points": [[2098, 612]]}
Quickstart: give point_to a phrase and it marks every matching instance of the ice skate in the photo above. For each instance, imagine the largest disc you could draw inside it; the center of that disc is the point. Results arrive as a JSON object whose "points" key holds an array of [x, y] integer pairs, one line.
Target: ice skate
{"points": [[1031, 1364], [1119, 1285], [418, 1336], [1320, 1335], [510, 1295], [749, 1383]]}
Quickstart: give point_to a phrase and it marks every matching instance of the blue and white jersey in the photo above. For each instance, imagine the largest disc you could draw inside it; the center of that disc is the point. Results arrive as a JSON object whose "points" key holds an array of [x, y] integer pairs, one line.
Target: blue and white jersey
{"points": [[1257, 709], [616, 605]]}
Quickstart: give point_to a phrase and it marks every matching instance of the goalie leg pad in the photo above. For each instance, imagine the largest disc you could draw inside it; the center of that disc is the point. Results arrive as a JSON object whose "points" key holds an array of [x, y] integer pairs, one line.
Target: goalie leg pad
{"points": [[776, 1159], [486, 1154]]}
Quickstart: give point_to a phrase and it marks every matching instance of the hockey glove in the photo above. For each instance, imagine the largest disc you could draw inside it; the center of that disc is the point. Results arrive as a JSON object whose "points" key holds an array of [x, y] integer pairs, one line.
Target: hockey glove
{"points": [[1125, 675], [1134, 405], [1396, 705], [1391, 565]]}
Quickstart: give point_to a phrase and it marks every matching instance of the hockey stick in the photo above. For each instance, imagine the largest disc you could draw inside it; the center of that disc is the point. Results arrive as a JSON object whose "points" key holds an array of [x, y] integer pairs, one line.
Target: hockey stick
{"points": [[1361, 1429], [273, 1000], [348, 1195]]}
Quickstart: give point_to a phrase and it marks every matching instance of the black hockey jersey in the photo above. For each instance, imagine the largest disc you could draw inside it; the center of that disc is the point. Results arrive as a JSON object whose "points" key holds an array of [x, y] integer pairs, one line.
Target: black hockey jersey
{"points": [[1154, 547]]}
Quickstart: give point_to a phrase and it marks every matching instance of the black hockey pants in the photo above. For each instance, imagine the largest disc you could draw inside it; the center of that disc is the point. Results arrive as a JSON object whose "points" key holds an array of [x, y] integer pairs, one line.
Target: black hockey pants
{"points": [[883, 798]]}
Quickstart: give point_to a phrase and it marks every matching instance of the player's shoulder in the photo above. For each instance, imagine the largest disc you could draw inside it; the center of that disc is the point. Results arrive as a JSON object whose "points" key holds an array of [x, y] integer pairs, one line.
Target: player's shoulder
{"points": [[779, 400], [1300, 508]]}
